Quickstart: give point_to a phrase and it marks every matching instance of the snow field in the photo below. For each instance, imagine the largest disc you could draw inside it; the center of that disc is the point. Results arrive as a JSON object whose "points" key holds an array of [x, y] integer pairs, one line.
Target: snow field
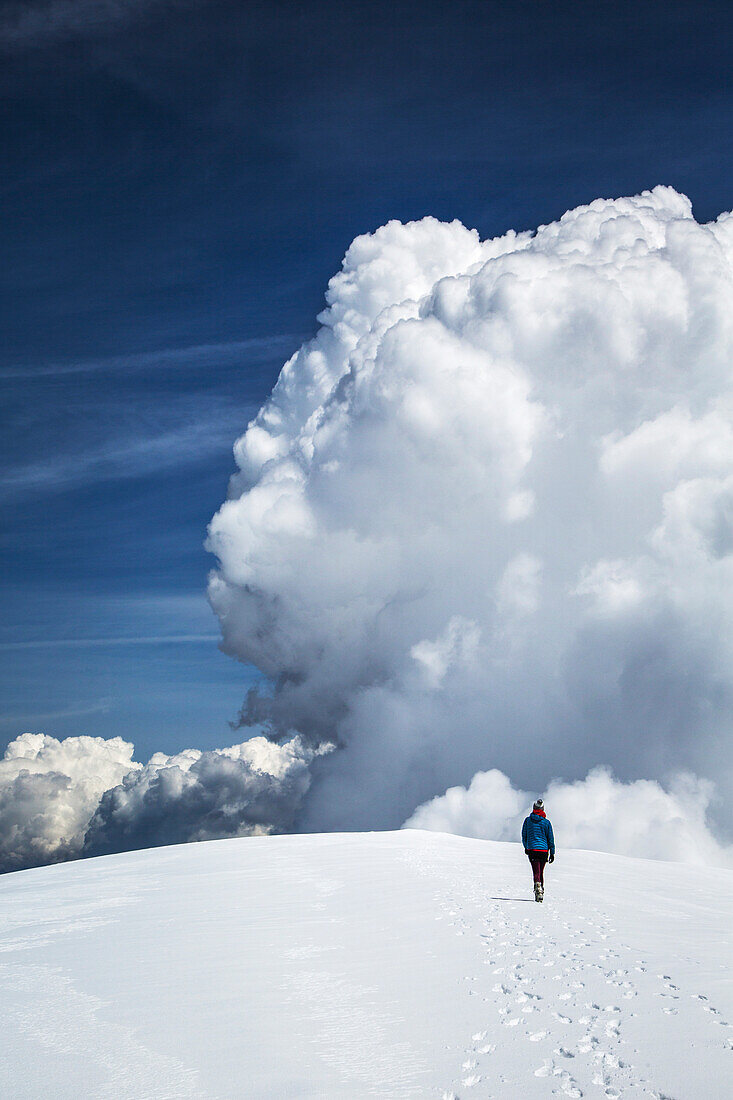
{"points": [[398, 965]]}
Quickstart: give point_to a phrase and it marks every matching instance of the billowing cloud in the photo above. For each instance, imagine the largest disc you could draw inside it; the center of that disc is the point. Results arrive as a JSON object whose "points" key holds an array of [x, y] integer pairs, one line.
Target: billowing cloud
{"points": [[248, 789], [484, 520], [49, 790], [86, 796], [600, 813]]}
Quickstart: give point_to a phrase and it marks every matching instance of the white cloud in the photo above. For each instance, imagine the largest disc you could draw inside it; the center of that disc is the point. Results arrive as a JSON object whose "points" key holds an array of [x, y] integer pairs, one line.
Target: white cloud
{"points": [[119, 457], [49, 790], [519, 586], [530, 435], [599, 813], [458, 645], [247, 789], [194, 356], [85, 795], [485, 518]]}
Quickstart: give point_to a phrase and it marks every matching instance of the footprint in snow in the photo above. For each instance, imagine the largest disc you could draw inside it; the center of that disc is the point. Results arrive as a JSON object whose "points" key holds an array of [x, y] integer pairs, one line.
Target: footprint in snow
{"points": [[567, 1083], [586, 1045], [469, 1082]]}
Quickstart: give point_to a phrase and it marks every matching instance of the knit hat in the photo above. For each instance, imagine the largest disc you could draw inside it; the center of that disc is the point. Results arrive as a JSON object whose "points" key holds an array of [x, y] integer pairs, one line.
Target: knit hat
{"points": [[539, 805]]}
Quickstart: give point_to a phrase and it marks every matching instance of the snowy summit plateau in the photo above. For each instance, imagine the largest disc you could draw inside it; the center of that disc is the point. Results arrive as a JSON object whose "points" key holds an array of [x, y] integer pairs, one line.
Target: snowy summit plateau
{"points": [[398, 965]]}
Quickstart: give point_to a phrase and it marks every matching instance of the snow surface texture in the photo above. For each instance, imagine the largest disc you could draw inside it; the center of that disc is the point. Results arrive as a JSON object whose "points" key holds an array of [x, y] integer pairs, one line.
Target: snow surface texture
{"points": [[485, 519], [392, 965]]}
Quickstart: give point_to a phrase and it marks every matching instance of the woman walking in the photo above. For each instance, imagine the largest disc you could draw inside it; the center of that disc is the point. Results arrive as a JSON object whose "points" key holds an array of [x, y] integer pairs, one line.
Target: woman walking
{"points": [[539, 845]]}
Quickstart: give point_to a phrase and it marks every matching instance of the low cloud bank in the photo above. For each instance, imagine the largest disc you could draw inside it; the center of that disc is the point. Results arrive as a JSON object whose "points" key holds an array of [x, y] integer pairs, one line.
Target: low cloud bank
{"points": [[86, 796], [599, 812]]}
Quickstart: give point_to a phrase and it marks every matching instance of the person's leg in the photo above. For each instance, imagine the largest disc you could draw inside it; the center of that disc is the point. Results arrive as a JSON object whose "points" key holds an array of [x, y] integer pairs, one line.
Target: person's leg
{"points": [[535, 864], [541, 861]]}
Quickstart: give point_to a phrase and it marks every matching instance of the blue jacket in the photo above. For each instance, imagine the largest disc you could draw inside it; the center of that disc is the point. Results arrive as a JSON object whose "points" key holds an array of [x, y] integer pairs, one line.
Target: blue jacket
{"points": [[537, 833]]}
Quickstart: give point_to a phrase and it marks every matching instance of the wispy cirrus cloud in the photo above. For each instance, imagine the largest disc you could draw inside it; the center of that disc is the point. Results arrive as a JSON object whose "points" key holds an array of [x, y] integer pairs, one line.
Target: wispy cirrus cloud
{"points": [[94, 643], [131, 415], [194, 356], [81, 710], [29, 24], [121, 457]]}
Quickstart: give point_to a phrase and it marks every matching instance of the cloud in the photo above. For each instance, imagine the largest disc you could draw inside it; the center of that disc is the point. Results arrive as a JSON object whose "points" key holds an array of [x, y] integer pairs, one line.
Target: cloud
{"points": [[78, 711], [484, 518], [83, 796], [194, 357], [49, 790], [600, 813], [38, 22], [121, 441], [248, 789], [116, 459], [93, 643]]}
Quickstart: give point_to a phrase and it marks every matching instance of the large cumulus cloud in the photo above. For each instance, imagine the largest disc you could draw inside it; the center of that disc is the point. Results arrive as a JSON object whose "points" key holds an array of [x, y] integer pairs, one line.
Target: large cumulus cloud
{"points": [[485, 518], [84, 796]]}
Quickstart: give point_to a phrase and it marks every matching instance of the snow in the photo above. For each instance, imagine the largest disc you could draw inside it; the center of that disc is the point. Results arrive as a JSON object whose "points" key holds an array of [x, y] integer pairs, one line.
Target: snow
{"points": [[403, 964]]}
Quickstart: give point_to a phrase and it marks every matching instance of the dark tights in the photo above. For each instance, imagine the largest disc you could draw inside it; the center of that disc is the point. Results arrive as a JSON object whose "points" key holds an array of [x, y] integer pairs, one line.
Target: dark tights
{"points": [[538, 861]]}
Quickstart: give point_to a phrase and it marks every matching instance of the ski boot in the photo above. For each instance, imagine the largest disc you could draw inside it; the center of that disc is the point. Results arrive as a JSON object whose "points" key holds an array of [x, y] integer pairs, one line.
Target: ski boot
{"points": [[539, 892]]}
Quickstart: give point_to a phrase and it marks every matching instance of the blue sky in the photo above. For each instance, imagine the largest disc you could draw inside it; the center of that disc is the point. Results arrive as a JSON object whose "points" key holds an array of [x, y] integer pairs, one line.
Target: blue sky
{"points": [[180, 181]]}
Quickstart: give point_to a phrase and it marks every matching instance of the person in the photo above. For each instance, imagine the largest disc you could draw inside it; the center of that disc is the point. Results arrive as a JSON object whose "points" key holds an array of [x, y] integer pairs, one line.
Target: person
{"points": [[539, 845]]}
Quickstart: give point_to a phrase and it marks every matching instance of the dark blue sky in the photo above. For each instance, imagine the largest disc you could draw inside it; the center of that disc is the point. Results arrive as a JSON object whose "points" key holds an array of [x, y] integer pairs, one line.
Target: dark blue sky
{"points": [[180, 179]]}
